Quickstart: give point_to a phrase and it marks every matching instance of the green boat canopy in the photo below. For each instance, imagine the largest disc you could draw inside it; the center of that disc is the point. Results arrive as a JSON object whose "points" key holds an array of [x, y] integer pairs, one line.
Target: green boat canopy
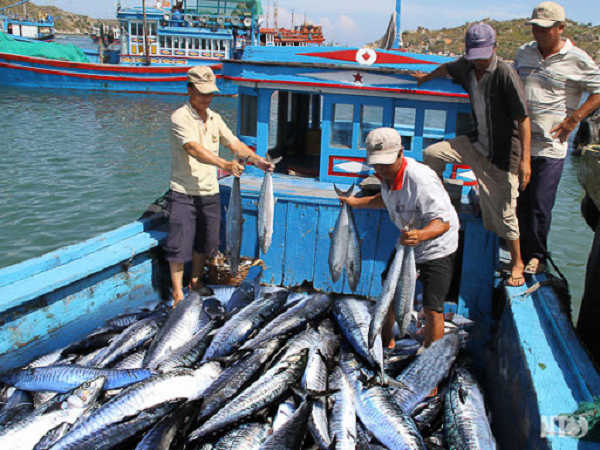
{"points": [[63, 52]]}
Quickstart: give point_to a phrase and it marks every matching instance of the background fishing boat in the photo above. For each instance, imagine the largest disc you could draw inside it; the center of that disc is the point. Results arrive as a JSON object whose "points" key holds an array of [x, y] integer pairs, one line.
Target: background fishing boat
{"points": [[22, 26], [159, 44]]}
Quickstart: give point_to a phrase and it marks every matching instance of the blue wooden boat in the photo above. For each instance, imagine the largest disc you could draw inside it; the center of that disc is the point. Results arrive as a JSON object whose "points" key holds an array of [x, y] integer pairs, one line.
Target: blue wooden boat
{"points": [[315, 107], [25, 27], [158, 47]]}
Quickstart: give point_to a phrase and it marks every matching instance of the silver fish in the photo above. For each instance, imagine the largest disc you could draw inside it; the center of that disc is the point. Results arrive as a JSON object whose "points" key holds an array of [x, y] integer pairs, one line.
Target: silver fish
{"points": [[354, 258], [237, 329], [27, 432], [266, 209], [427, 371], [339, 238], [158, 390], [354, 319], [466, 425], [235, 223], [286, 409], [178, 330], [387, 295], [265, 391], [378, 409], [292, 319], [404, 296], [342, 423], [291, 435], [248, 436]]}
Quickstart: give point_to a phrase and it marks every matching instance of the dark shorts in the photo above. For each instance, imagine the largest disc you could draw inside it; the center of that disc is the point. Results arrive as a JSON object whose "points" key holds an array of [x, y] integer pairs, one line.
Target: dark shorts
{"points": [[436, 278], [194, 223]]}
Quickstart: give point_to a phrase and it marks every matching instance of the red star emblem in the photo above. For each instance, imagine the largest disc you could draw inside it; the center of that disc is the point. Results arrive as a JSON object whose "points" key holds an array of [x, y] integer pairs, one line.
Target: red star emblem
{"points": [[358, 77]]}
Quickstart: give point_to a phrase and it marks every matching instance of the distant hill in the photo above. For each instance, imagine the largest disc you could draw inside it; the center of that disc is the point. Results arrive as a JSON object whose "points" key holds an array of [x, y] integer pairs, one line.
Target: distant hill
{"points": [[66, 22], [511, 35]]}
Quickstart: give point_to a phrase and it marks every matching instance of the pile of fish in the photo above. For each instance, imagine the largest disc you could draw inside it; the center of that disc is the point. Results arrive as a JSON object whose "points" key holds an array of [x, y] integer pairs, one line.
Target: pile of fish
{"points": [[248, 368]]}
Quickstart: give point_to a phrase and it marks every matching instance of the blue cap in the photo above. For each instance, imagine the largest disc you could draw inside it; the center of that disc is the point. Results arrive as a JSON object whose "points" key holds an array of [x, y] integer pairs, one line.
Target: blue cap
{"points": [[480, 41]]}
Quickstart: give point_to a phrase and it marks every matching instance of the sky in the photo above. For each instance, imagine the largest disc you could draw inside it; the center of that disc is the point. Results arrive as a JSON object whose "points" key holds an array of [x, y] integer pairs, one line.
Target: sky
{"points": [[356, 23]]}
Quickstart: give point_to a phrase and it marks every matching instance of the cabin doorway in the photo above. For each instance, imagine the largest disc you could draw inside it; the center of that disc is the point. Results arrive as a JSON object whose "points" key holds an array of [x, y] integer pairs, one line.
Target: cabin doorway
{"points": [[295, 132]]}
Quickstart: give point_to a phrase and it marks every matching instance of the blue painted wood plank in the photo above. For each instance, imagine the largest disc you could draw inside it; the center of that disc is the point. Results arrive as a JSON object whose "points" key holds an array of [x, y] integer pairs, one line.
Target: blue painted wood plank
{"points": [[250, 244], [70, 253], [388, 235], [478, 267], [301, 236], [71, 318], [275, 257], [39, 284]]}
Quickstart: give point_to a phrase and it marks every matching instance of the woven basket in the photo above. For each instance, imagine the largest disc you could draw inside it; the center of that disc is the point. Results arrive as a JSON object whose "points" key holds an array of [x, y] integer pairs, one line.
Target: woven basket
{"points": [[220, 273]]}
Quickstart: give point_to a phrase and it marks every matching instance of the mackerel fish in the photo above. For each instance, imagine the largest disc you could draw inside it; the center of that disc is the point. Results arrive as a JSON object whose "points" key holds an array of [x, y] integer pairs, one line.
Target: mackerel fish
{"points": [[387, 295], [404, 297], [339, 238], [353, 255], [234, 226], [466, 425], [342, 424], [266, 209], [290, 436], [248, 436], [27, 432]]}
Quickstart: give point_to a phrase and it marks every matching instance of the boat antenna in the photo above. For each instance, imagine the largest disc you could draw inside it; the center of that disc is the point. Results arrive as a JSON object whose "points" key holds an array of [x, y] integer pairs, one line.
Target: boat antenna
{"points": [[292, 19], [146, 46], [398, 38], [276, 13]]}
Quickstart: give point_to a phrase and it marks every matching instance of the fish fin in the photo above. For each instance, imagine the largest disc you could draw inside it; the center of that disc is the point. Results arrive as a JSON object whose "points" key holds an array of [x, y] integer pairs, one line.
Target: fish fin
{"points": [[341, 193], [462, 395]]}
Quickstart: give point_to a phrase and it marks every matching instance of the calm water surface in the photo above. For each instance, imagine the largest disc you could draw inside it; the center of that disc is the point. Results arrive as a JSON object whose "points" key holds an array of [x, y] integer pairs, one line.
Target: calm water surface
{"points": [[76, 164]]}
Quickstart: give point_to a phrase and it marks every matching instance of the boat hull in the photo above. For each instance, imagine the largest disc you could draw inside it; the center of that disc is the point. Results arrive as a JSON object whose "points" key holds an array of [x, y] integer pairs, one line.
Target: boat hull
{"points": [[25, 71]]}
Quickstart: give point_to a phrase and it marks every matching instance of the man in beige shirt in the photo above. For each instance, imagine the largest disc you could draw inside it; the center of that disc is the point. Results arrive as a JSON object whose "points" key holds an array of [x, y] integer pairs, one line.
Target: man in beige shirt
{"points": [[194, 206]]}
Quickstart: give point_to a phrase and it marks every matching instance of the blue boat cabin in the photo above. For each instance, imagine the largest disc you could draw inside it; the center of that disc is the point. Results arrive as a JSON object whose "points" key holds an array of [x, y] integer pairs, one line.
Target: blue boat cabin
{"points": [[315, 107]]}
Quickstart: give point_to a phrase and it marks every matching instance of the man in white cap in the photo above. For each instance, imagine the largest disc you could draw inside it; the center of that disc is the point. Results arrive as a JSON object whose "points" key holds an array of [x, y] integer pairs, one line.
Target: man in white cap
{"points": [[555, 74], [193, 205], [413, 193], [498, 154]]}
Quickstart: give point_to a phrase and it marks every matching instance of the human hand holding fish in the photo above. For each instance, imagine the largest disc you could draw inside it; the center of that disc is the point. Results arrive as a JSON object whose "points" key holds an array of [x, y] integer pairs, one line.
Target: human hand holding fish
{"points": [[234, 168], [411, 238], [263, 164]]}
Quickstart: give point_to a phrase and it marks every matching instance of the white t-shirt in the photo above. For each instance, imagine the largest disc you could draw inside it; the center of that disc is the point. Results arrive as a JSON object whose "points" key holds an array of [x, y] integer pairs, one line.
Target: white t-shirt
{"points": [[188, 175], [554, 87], [418, 196]]}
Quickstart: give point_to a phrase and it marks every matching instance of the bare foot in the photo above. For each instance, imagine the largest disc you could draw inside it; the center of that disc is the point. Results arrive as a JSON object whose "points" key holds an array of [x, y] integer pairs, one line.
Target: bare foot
{"points": [[177, 296], [196, 284], [392, 344], [516, 277]]}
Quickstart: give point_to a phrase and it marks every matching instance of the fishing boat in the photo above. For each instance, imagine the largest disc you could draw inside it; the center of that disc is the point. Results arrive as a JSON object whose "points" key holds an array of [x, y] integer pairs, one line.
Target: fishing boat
{"points": [[305, 35], [315, 107], [25, 27], [159, 44]]}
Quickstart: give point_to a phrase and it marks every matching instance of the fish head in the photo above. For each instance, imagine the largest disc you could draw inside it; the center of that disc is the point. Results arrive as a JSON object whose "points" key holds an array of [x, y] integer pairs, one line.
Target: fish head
{"points": [[86, 394]]}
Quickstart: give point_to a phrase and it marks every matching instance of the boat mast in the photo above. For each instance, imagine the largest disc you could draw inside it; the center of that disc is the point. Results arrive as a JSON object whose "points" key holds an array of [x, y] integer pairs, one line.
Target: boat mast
{"points": [[398, 38], [146, 46]]}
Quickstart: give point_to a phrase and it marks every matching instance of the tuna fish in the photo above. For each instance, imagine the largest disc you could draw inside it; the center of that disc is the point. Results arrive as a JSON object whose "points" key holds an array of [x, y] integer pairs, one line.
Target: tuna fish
{"points": [[353, 255], [180, 326], [339, 238], [266, 209], [27, 432], [404, 296], [378, 409], [427, 371], [235, 223], [292, 319], [465, 421], [62, 378], [387, 295]]}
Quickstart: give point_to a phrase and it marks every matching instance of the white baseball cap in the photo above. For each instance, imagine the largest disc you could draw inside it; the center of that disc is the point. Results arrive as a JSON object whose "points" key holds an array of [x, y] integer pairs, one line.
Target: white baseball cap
{"points": [[383, 146], [546, 14]]}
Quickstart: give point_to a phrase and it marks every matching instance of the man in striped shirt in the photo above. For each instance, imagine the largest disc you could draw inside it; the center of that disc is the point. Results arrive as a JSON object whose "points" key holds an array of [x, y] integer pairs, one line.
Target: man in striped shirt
{"points": [[555, 74]]}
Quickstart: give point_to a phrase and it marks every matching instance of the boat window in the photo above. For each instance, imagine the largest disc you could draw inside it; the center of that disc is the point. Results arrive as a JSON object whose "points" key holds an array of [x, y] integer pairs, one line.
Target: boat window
{"points": [[341, 125], [371, 117], [434, 126], [249, 119], [153, 28], [404, 123]]}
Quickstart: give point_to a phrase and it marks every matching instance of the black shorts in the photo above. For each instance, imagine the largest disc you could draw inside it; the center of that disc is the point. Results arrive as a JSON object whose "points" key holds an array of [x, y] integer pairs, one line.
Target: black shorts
{"points": [[436, 278], [194, 223]]}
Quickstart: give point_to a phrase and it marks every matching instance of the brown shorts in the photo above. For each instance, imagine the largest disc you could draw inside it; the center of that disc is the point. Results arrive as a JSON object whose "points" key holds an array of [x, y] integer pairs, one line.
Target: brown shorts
{"points": [[498, 189], [194, 223]]}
